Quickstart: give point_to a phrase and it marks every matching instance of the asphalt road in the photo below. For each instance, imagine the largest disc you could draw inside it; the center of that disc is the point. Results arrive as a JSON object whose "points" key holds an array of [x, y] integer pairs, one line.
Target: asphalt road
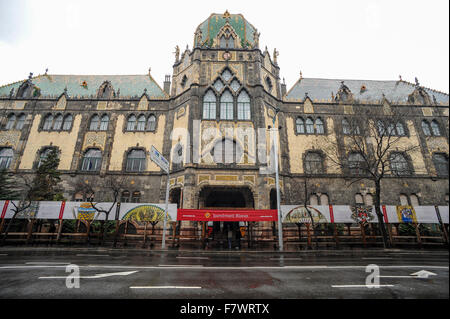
{"points": [[108, 273]]}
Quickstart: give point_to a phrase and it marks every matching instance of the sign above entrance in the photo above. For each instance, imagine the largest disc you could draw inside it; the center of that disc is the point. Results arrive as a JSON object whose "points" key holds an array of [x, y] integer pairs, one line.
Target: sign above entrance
{"points": [[228, 215], [157, 157]]}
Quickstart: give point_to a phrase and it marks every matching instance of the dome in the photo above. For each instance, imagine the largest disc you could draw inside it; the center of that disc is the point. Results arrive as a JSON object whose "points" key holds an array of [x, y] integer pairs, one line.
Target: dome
{"points": [[208, 33]]}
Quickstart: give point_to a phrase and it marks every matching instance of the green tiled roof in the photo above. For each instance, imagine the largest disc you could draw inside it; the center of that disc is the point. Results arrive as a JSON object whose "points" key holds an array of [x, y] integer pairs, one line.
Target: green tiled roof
{"points": [[53, 85], [211, 27]]}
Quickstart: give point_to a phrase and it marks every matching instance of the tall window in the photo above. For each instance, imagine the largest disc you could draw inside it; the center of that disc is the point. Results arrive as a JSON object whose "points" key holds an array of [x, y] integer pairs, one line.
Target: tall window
{"points": [[177, 157], [368, 200], [300, 125], [67, 122], [6, 156], [414, 200], [400, 129], [359, 199], [141, 123], [345, 127], [243, 106], [324, 199], [136, 197], [94, 123], [136, 161], [11, 121], [226, 106], [426, 128], [435, 128], [151, 123], [209, 106], [92, 160], [48, 121], [131, 122], [226, 152], [313, 200], [313, 163], [399, 164], [403, 200], [43, 156], [58, 122], [440, 162], [356, 164], [309, 126], [20, 121], [104, 123], [319, 126], [125, 198]]}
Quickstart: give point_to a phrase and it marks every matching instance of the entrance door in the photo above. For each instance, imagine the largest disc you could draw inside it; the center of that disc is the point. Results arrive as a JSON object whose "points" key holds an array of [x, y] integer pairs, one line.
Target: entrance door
{"points": [[218, 233]]}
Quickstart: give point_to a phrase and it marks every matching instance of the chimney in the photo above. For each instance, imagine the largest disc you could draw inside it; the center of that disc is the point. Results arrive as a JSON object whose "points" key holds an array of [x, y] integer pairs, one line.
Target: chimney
{"points": [[283, 88], [167, 84]]}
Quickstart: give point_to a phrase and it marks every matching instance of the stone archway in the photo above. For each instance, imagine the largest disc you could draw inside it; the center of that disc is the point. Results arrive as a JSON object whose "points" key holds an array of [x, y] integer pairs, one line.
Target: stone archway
{"points": [[225, 197]]}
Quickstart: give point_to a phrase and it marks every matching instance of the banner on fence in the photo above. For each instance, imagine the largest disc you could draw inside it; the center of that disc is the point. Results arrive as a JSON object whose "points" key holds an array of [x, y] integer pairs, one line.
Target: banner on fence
{"points": [[228, 215], [147, 212], [302, 214]]}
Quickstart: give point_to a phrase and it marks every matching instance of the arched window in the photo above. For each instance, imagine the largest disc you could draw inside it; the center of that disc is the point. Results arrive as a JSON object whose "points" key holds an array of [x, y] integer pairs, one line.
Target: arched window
{"points": [[368, 200], [356, 163], [309, 126], [226, 151], [20, 121], [11, 122], [399, 164], [136, 161], [414, 200], [226, 106], [67, 122], [43, 155], [403, 200], [319, 126], [440, 162], [6, 156], [345, 127], [380, 126], [218, 85], [58, 122], [391, 129], [104, 123], [226, 75], [243, 106], [48, 121], [136, 197], [140, 123], [151, 123], [313, 163], [223, 42], [92, 160], [313, 200], [131, 122], [94, 123], [435, 128], [400, 129], [125, 197], [78, 197], [426, 128], [324, 199], [300, 125], [359, 199], [209, 106]]}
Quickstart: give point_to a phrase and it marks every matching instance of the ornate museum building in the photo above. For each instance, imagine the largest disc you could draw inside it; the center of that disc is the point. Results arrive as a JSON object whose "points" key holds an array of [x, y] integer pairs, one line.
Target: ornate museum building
{"points": [[226, 84]]}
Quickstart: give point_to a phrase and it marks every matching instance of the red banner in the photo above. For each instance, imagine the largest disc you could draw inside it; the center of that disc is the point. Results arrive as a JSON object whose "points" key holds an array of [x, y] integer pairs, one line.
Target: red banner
{"points": [[228, 215], [383, 207], [5, 207], [61, 210]]}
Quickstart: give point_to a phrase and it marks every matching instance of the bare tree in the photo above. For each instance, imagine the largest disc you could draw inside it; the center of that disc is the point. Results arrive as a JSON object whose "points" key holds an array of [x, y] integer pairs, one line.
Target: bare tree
{"points": [[372, 145], [24, 191], [110, 186]]}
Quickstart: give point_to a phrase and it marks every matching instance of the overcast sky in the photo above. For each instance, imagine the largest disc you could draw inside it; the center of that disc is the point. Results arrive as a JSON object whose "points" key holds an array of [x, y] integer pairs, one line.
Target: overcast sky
{"points": [[345, 39]]}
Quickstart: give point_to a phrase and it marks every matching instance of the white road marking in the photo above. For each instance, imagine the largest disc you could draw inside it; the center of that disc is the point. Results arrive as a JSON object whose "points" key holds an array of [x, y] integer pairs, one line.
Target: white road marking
{"points": [[164, 287], [183, 257], [3, 254], [423, 274], [360, 286], [88, 255], [46, 263], [375, 258], [189, 266], [95, 276]]}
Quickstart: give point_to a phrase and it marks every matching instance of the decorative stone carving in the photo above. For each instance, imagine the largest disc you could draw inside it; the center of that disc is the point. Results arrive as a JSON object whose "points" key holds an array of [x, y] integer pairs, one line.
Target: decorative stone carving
{"points": [[9, 138], [94, 139]]}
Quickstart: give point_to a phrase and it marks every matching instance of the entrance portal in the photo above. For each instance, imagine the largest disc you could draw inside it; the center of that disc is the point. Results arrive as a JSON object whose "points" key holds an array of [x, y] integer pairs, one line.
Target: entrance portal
{"points": [[225, 234]]}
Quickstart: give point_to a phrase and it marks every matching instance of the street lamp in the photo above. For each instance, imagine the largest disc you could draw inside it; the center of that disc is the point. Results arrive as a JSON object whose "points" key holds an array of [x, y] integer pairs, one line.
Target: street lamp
{"points": [[277, 179]]}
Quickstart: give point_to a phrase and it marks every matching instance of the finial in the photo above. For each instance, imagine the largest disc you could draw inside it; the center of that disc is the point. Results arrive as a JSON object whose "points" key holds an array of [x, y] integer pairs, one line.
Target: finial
{"points": [[226, 15], [177, 53], [118, 92], [145, 90], [284, 82], [65, 90], [417, 81], [306, 95], [30, 76], [149, 70], [301, 75], [400, 78], [187, 47]]}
